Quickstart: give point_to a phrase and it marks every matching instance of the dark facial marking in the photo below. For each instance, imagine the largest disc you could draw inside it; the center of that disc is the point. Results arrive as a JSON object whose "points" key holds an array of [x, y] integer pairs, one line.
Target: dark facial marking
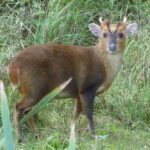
{"points": [[112, 42], [113, 35]]}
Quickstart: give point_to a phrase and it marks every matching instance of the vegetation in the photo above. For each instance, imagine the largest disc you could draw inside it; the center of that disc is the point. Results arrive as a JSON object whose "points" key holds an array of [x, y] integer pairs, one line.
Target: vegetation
{"points": [[7, 140], [123, 112]]}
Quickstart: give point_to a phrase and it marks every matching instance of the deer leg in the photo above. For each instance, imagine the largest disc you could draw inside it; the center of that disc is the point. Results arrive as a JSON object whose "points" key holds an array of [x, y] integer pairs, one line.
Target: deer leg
{"points": [[87, 100], [77, 111], [19, 109]]}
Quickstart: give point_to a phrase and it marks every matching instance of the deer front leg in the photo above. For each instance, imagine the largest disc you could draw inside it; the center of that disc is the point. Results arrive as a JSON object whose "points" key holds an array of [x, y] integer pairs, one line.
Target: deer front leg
{"points": [[77, 112], [87, 100]]}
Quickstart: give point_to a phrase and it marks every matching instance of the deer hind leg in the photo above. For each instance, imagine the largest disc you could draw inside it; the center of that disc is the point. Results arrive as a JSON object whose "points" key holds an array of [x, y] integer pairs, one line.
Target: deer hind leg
{"points": [[32, 121], [33, 127], [20, 107], [32, 124]]}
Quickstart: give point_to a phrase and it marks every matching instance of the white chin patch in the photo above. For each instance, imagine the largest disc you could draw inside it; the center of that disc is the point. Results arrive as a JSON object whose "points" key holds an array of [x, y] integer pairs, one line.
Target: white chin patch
{"points": [[112, 52]]}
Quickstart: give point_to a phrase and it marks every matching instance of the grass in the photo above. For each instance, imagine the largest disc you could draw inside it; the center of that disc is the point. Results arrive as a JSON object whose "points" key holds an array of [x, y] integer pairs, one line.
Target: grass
{"points": [[7, 128], [123, 112]]}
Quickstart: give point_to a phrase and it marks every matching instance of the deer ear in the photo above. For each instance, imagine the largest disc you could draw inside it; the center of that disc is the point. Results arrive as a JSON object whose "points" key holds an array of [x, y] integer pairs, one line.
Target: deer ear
{"points": [[95, 29], [131, 29]]}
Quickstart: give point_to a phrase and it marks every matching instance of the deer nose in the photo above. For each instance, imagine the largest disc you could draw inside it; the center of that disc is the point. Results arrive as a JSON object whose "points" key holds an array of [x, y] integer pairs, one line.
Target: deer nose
{"points": [[112, 47]]}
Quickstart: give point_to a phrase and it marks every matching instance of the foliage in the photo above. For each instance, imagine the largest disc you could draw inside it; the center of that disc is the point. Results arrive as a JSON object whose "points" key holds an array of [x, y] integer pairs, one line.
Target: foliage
{"points": [[7, 129], [123, 111]]}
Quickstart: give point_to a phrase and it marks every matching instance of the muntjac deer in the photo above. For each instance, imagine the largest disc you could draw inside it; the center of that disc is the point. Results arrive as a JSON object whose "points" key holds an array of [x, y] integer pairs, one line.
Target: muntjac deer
{"points": [[37, 70]]}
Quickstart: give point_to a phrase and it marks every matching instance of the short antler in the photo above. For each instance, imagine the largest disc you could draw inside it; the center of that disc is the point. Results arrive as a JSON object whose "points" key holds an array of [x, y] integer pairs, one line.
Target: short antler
{"points": [[101, 20], [124, 20]]}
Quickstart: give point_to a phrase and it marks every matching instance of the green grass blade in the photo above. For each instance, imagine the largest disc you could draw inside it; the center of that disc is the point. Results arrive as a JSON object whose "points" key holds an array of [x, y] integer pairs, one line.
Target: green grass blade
{"points": [[72, 144], [45, 101], [6, 119], [2, 142], [72, 139]]}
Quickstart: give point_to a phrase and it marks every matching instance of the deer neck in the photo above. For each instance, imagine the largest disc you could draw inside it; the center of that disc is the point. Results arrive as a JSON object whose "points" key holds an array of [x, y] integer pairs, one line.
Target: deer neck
{"points": [[112, 64]]}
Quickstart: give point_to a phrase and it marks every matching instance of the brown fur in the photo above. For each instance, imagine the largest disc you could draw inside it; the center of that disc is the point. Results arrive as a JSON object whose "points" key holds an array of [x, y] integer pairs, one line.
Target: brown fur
{"points": [[38, 69]]}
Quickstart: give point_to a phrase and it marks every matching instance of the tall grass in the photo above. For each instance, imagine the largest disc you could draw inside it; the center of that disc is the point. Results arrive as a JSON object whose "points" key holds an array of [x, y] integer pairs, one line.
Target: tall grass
{"points": [[7, 140], [125, 107]]}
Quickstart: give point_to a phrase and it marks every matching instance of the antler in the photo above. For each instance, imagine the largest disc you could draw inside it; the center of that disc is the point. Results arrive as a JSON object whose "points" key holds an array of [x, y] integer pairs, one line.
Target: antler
{"points": [[124, 20], [101, 20]]}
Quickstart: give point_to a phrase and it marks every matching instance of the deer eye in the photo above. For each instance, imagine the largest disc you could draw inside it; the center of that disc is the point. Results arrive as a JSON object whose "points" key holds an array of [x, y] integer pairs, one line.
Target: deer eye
{"points": [[105, 35], [120, 35]]}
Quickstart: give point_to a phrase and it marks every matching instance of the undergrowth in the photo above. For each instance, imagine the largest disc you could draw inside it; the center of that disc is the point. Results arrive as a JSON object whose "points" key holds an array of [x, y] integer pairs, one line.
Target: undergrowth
{"points": [[123, 111]]}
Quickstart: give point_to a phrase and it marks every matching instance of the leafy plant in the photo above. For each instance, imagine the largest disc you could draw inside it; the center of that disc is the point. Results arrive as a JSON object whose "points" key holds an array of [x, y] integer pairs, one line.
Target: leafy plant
{"points": [[7, 129]]}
